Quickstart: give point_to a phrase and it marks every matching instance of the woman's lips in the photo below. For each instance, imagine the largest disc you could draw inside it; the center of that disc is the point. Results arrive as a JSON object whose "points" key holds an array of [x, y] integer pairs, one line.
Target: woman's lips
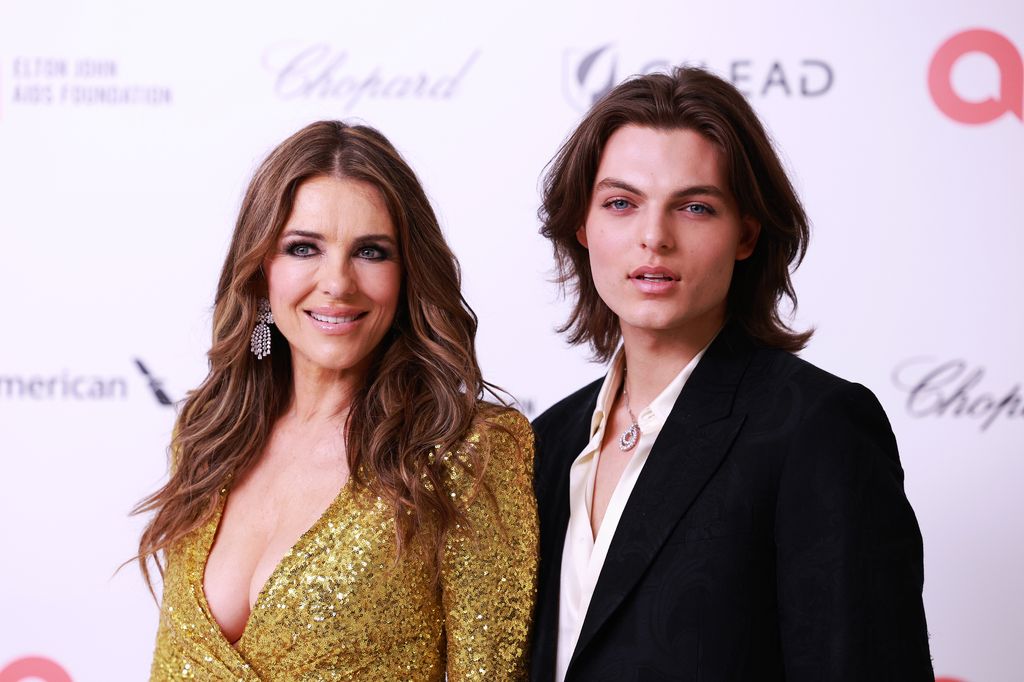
{"points": [[335, 322], [334, 319]]}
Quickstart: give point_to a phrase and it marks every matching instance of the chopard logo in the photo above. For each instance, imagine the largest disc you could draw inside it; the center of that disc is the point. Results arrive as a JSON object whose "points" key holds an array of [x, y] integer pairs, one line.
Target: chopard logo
{"points": [[325, 72], [955, 389]]}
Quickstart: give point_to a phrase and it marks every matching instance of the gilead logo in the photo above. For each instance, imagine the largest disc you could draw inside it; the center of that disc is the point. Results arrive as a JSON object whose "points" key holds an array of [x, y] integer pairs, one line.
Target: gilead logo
{"points": [[1011, 77], [34, 668]]}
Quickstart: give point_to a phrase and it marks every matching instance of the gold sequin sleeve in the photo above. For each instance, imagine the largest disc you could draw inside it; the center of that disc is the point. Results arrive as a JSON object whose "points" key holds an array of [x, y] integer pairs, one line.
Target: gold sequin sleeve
{"points": [[488, 573]]}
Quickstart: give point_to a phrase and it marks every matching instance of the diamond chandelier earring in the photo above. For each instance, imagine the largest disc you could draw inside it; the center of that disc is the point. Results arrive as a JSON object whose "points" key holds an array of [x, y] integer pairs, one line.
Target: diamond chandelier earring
{"points": [[260, 342]]}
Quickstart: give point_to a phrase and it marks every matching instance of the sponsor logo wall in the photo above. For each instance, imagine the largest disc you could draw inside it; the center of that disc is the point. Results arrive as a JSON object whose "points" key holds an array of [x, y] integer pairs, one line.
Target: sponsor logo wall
{"points": [[126, 140]]}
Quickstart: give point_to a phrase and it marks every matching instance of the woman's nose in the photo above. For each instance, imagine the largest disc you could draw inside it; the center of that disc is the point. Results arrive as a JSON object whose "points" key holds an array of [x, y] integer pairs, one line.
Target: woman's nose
{"points": [[337, 278]]}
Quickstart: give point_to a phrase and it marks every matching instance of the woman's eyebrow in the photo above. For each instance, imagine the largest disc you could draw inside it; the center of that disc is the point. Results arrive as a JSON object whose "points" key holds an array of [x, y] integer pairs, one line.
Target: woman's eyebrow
{"points": [[375, 238], [303, 233]]}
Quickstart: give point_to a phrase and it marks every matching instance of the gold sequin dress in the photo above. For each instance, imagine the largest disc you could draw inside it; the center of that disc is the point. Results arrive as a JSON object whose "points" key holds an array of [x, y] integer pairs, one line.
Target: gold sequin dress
{"points": [[339, 607]]}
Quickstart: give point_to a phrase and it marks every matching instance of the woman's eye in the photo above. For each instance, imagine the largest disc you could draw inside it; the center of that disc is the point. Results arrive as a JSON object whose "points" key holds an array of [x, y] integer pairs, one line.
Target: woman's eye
{"points": [[301, 250], [371, 253]]}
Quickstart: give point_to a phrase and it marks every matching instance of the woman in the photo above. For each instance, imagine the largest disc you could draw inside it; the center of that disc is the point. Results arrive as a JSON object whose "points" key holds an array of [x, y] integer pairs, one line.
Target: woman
{"points": [[342, 504]]}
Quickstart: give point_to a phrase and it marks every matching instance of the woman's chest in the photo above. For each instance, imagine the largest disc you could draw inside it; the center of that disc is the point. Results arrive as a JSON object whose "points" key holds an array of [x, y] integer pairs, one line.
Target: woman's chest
{"points": [[338, 597]]}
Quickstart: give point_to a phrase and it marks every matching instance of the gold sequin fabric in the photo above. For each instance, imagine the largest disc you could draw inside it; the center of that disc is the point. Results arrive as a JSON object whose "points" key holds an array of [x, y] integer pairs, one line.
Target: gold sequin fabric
{"points": [[339, 606]]}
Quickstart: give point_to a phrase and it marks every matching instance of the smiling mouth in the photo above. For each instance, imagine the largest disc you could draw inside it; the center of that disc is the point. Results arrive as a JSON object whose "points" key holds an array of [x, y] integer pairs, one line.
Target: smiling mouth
{"points": [[332, 319]]}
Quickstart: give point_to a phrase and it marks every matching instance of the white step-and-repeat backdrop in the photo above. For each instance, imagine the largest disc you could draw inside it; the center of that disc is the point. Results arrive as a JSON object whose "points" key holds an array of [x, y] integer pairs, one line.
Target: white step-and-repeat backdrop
{"points": [[129, 130]]}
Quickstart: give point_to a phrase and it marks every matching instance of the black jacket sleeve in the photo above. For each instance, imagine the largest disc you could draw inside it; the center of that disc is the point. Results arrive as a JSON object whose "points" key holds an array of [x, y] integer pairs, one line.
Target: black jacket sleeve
{"points": [[849, 550]]}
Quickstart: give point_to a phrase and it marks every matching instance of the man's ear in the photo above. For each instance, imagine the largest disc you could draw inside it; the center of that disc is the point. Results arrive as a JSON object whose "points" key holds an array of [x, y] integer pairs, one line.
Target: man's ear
{"points": [[581, 236], [751, 230]]}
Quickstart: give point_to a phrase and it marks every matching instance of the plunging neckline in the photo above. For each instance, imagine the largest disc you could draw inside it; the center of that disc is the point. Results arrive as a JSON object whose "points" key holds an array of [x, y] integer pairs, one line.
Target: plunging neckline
{"points": [[199, 572]]}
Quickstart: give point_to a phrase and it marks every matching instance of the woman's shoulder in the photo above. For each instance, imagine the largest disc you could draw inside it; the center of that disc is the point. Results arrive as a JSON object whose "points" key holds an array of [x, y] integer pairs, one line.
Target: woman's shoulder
{"points": [[500, 441], [492, 418], [500, 433]]}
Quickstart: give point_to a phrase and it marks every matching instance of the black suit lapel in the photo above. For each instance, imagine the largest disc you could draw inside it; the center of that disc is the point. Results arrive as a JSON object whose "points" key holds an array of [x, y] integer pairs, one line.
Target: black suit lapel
{"points": [[555, 500], [696, 437], [561, 443]]}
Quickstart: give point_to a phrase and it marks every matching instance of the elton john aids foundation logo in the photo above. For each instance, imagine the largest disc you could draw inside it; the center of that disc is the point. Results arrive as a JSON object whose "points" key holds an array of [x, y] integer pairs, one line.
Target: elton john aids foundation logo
{"points": [[1010, 96]]}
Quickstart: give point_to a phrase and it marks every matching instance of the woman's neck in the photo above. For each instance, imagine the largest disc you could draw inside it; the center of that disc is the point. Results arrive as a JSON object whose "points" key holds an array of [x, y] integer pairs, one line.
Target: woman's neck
{"points": [[319, 395]]}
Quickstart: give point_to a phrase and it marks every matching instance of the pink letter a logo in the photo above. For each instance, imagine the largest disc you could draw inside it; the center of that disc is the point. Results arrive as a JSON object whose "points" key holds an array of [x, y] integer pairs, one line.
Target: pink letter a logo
{"points": [[34, 668], [1011, 77]]}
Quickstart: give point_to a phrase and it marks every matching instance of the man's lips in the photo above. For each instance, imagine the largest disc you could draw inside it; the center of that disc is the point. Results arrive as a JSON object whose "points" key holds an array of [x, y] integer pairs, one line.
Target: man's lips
{"points": [[648, 273]]}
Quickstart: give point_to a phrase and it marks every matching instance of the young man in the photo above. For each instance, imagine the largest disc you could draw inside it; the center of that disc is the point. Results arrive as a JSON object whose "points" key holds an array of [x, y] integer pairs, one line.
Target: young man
{"points": [[714, 508]]}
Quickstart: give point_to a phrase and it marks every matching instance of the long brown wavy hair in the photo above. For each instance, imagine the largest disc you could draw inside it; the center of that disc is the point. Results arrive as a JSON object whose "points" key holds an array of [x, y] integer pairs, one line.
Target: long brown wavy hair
{"points": [[693, 99], [424, 388]]}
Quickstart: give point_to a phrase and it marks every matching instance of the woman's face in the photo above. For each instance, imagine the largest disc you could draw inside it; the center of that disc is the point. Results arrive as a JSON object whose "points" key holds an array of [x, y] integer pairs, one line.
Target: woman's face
{"points": [[334, 276]]}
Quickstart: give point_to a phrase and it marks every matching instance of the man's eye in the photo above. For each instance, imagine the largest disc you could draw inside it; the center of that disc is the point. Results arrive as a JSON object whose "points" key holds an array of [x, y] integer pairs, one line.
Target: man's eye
{"points": [[618, 204], [699, 209]]}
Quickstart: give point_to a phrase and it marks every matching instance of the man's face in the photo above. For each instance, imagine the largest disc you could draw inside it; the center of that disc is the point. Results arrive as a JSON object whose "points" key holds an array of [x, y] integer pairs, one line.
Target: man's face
{"points": [[663, 232]]}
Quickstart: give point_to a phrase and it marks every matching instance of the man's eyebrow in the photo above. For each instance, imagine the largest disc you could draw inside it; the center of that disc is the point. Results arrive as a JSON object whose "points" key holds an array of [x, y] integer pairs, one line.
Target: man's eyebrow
{"points": [[697, 190], [615, 183], [686, 192]]}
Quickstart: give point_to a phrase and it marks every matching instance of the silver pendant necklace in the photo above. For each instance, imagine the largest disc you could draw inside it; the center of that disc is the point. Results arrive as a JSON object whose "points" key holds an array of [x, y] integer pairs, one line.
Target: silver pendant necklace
{"points": [[631, 436]]}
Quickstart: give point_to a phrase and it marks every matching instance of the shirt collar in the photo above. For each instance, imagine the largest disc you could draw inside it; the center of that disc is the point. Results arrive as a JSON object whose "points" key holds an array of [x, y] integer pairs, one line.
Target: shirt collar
{"points": [[611, 384], [657, 412]]}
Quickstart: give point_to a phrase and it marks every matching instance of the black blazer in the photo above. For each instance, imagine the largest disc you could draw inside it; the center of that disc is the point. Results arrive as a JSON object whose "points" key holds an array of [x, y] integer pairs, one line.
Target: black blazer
{"points": [[767, 538]]}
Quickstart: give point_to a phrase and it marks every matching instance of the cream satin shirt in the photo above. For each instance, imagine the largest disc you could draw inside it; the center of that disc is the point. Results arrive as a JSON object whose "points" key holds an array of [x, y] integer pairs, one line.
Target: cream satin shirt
{"points": [[583, 554]]}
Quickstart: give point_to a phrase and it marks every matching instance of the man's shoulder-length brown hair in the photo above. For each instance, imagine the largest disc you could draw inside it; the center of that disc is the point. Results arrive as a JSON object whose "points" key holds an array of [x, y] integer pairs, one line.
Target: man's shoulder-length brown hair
{"points": [[693, 99]]}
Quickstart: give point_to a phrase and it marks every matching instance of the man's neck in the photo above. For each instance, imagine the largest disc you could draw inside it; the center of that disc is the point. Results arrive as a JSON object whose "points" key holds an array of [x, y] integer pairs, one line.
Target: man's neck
{"points": [[654, 360]]}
